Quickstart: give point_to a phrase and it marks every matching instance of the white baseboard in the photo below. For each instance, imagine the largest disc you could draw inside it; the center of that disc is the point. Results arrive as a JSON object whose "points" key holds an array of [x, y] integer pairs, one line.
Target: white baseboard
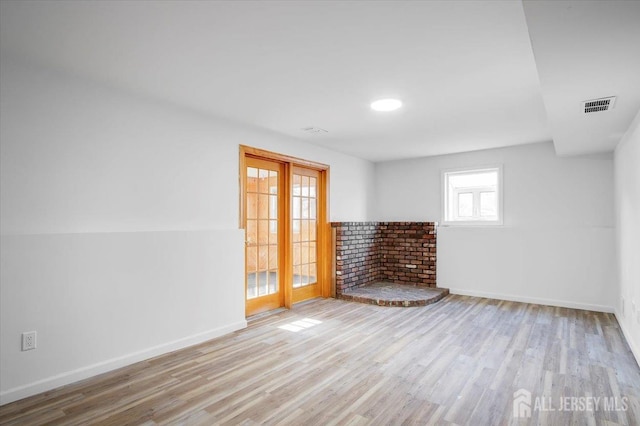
{"points": [[635, 349], [114, 363], [534, 300]]}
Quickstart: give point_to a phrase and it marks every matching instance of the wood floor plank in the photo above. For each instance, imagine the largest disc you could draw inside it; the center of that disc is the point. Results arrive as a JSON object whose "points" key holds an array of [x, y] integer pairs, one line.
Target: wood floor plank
{"points": [[332, 362]]}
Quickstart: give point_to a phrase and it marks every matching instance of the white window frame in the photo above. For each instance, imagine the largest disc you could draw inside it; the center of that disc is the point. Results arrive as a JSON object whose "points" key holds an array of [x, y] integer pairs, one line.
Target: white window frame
{"points": [[446, 221]]}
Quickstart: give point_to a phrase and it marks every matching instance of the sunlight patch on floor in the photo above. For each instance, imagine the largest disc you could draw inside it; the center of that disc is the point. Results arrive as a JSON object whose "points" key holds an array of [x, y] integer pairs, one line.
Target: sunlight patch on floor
{"points": [[302, 324]]}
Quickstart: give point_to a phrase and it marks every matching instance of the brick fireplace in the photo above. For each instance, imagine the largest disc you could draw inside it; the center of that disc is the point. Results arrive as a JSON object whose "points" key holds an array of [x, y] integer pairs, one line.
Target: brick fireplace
{"points": [[395, 252]]}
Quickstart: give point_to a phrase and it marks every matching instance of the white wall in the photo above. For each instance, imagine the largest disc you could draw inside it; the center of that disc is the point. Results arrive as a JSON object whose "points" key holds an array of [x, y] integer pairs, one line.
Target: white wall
{"points": [[119, 219], [627, 202], [557, 243]]}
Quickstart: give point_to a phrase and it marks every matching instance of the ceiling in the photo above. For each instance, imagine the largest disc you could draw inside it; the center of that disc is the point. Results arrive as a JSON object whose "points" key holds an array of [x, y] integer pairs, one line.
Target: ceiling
{"points": [[586, 50], [465, 71]]}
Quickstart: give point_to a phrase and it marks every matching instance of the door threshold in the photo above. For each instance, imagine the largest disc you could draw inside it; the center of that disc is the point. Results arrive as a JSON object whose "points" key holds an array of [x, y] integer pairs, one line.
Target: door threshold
{"points": [[261, 315]]}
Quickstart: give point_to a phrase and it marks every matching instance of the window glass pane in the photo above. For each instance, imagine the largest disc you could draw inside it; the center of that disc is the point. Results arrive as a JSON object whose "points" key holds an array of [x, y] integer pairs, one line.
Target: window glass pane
{"points": [[472, 196], [488, 204], [470, 180], [465, 204]]}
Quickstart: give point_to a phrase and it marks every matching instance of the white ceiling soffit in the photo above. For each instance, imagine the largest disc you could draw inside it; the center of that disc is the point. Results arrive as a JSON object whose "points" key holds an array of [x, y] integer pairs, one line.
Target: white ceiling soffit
{"points": [[464, 70], [586, 50]]}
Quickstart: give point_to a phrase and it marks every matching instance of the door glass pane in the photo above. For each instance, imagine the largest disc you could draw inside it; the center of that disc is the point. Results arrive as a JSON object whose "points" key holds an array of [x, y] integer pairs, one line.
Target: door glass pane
{"points": [[273, 232], [304, 255], [305, 274], [263, 206], [273, 205], [297, 278], [252, 206], [312, 208], [297, 250], [313, 273], [297, 214], [273, 257], [263, 181], [304, 230], [312, 187], [252, 179], [263, 232], [312, 230], [252, 231], [312, 252], [263, 258], [262, 283], [296, 230]]}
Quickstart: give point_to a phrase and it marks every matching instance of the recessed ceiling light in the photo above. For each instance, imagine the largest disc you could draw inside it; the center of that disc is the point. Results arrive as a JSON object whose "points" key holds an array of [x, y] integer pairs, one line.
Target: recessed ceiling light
{"points": [[386, 104]]}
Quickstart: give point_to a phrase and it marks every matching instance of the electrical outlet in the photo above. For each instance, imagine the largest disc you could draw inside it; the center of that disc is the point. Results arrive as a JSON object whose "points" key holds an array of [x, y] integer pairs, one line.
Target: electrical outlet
{"points": [[28, 340]]}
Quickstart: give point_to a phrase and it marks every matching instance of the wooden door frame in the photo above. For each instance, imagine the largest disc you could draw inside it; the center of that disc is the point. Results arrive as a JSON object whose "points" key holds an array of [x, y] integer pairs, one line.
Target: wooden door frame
{"points": [[324, 229]]}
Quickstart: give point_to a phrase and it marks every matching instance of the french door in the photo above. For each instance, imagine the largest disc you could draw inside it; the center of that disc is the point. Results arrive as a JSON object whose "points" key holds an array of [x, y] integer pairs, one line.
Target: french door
{"points": [[284, 214], [304, 213], [264, 212]]}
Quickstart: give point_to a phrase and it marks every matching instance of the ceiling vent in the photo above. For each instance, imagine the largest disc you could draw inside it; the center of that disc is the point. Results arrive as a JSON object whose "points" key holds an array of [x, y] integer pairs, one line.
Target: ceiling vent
{"points": [[597, 105], [314, 130]]}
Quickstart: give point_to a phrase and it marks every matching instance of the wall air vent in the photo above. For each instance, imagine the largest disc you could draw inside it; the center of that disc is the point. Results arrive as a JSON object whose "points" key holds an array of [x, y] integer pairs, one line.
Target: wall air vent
{"points": [[314, 130], [597, 105]]}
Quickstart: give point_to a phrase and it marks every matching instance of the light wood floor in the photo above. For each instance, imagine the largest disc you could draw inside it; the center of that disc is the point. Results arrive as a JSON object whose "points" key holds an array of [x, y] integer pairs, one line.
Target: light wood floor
{"points": [[335, 362]]}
